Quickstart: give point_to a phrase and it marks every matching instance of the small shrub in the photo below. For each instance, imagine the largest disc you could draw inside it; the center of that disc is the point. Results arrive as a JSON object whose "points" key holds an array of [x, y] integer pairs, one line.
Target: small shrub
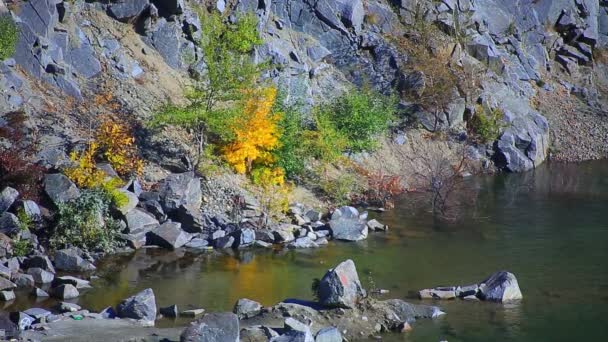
{"points": [[117, 146], [487, 124], [21, 247], [360, 116], [341, 189], [325, 143], [290, 155], [8, 36], [86, 223], [25, 222]]}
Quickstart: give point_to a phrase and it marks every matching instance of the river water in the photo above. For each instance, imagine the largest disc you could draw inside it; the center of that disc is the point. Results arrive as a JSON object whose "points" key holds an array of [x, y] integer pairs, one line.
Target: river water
{"points": [[549, 227]]}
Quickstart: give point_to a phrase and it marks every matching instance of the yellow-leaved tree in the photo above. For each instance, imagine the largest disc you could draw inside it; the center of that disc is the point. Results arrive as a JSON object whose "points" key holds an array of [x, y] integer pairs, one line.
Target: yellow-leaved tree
{"points": [[256, 132]]}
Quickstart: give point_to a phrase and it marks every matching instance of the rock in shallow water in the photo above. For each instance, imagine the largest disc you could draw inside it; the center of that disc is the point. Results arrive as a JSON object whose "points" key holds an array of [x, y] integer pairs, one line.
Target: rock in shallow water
{"points": [[346, 225], [70, 260], [340, 287], [500, 287], [141, 306]]}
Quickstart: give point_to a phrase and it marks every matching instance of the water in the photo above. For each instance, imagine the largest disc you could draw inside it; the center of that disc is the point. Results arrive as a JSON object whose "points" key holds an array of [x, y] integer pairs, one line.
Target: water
{"points": [[549, 227]]}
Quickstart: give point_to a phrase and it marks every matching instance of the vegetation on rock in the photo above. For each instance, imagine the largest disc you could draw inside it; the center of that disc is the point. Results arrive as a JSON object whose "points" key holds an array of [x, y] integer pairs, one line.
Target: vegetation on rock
{"points": [[9, 35]]}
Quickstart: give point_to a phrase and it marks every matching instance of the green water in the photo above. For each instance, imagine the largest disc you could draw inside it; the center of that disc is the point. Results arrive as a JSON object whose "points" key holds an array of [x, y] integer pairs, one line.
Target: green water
{"points": [[549, 227]]}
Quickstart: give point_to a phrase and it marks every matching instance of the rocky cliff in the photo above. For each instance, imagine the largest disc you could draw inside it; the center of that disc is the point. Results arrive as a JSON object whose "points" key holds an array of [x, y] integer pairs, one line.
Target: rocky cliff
{"points": [[76, 59]]}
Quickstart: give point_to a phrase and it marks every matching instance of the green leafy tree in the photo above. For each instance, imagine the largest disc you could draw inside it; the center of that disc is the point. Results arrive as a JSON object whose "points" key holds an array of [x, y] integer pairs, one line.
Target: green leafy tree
{"points": [[229, 71]]}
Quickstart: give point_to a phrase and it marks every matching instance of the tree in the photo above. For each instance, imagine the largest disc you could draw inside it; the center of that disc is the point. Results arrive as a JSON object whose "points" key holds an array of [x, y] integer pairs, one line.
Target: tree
{"points": [[256, 132], [228, 70]]}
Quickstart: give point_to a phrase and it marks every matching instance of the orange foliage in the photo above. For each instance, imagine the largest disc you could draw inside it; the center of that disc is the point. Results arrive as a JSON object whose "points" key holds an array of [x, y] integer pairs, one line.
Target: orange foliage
{"points": [[117, 146], [256, 132]]}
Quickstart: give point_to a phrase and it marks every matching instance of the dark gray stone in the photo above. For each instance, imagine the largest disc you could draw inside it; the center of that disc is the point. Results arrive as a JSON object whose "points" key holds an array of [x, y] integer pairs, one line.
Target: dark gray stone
{"points": [[40, 261], [166, 37], [191, 218], [197, 243], [124, 10], [77, 282], [169, 311], [139, 221], [340, 287], [38, 292], [141, 306], [37, 313], [244, 237], [60, 188], [169, 235], [500, 287], [214, 327], [346, 225], [22, 320], [41, 276], [9, 224], [32, 210], [64, 307], [108, 313], [180, 189], [247, 308], [65, 291], [70, 260], [7, 295], [264, 235], [224, 242], [303, 242], [23, 280]]}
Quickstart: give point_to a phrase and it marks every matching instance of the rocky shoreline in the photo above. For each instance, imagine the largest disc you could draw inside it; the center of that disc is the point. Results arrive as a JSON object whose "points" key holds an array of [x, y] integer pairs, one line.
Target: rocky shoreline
{"points": [[344, 310]]}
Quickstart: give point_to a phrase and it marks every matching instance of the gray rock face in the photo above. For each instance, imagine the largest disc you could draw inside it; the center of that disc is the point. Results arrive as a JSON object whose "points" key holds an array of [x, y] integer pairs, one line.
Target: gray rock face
{"points": [[340, 287], [70, 260], [165, 37], [246, 308], [169, 235], [500, 287], [60, 188], [346, 225], [141, 306], [125, 10], [8, 196], [214, 327]]}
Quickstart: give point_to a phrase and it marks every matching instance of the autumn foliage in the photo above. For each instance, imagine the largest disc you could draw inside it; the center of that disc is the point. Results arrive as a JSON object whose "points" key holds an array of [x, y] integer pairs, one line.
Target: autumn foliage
{"points": [[117, 146], [256, 135]]}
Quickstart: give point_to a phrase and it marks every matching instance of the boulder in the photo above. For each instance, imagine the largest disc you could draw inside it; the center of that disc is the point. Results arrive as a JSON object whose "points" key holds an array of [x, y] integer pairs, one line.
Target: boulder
{"points": [[108, 313], [9, 223], [244, 237], [23, 280], [32, 210], [77, 282], [139, 221], [246, 308], [5, 272], [264, 235], [374, 225], [7, 296], [214, 327], [346, 225], [257, 333], [70, 260], [6, 245], [180, 189], [500, 287], [197, 243], [191, 218], [169, 235], [131, 202], [224, 242], [37, 313], [141, 306], [329, 334], [39, 261], [67, 307], [60, 188], [303, 242], [295, 331], [40, 276], [65, 291], [169, 311], [22, 320], [39, 293], [124, 10], [8, 196], [340, 287]]}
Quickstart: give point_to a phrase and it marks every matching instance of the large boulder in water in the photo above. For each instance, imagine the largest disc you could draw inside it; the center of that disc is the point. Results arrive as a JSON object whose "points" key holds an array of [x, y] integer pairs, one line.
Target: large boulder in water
{"points": [[500, 287], [340, 287], [142, 306], [346, 225], [70, 259], [214, 327]]}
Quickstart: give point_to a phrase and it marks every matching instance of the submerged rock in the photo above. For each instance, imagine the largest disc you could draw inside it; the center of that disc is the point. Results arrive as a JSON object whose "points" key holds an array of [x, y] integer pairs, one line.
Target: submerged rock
{"points": [[214, 327], [340, 287]]}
